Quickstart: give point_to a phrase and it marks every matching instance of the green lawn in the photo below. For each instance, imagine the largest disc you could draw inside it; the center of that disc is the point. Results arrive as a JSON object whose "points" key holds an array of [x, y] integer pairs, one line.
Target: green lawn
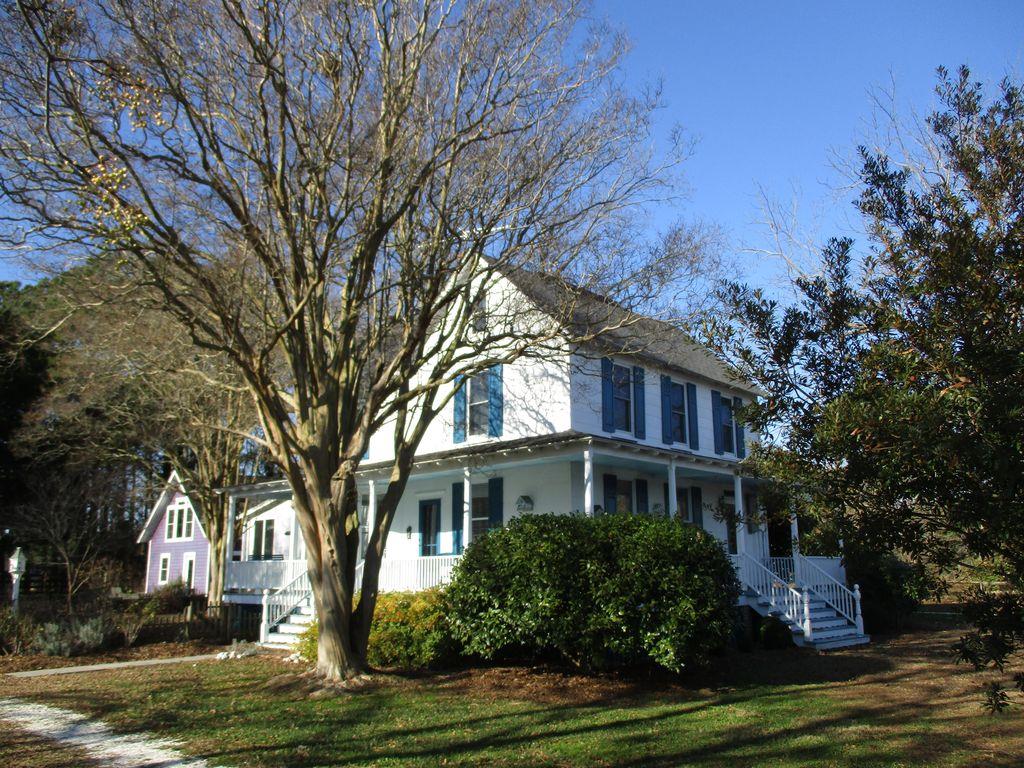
{"points": [[894, 703]]}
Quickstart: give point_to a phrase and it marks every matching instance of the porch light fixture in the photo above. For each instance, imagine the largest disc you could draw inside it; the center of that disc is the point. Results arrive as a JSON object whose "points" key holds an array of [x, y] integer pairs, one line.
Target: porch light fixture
{"points": [[524, 504], [408, 532]]}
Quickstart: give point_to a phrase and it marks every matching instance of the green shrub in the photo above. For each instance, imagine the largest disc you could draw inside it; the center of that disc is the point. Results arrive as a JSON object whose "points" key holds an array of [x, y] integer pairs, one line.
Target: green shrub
{"points": [[891, 588], [91, 634], [131, 620], [17, 632], [54, 639], [774, 634], [596, 592], [172, 597], [408, 632]]}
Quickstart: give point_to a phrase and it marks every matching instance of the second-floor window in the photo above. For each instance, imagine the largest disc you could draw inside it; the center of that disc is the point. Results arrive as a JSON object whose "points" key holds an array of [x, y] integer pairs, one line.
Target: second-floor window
{"points": [[727, 427], [621, 391], [179, 521], [677, 413], [479, 403]]}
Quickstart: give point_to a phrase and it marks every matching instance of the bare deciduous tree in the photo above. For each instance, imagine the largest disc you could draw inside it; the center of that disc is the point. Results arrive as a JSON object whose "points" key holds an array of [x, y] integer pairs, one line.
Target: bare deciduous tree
{"points": [[324, 192]]}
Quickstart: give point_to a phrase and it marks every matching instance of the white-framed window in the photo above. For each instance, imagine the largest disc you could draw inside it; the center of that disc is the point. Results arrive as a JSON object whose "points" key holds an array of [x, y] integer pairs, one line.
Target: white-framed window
{"points": [[188, 570], [480, 510], [262, 540], [683, 504], [179, 521], [677, 412], [164, 574], [479, 403], [727, 427], [622, 393]]}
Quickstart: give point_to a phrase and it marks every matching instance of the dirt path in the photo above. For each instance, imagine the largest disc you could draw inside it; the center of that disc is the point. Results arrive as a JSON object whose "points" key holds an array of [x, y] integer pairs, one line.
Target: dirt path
{"points": [[77, 735]]}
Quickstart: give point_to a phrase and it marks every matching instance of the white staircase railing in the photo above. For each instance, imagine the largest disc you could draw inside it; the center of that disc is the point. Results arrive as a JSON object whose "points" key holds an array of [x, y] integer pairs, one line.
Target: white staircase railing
{"points": [[279, 604], [781, 597], [845, 601], [783, 567]]}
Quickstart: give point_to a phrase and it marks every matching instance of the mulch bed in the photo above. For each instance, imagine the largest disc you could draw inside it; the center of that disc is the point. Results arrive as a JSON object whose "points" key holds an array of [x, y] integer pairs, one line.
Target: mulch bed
{"points": [[30, 661]]}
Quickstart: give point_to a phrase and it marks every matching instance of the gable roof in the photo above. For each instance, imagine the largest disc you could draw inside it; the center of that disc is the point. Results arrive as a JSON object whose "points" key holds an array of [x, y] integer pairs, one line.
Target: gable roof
{"points": [[172, 486], [618, 331]]}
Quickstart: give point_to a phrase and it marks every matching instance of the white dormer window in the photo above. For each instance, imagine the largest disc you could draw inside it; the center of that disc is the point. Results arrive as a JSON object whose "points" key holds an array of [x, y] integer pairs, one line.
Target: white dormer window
{"points": [[179, 521]]}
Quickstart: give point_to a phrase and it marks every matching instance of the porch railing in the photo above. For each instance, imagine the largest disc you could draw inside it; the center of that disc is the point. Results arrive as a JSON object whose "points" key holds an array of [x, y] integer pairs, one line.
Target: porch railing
{"points": [[782, 567], [279, 603], [410, 574], [262, 574], [845, 601], [781, 597]]}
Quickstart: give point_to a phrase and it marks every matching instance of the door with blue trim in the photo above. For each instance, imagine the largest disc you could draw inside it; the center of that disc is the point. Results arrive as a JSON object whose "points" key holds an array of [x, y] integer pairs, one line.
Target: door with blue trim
{"points": [[430, 527]]}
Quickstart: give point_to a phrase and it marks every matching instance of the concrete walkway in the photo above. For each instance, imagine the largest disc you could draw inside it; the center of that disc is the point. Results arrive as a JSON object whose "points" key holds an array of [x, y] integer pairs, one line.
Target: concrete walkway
{"points": [[109, 665], [94, 737]]}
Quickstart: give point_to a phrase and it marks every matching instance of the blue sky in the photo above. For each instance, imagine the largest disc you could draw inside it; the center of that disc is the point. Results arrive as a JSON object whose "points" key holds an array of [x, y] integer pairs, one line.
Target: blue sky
{"points": [[771, 89]]}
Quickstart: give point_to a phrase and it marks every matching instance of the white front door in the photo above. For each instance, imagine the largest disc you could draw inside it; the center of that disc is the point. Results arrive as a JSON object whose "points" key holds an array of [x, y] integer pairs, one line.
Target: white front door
{"points": [[188, 570]]}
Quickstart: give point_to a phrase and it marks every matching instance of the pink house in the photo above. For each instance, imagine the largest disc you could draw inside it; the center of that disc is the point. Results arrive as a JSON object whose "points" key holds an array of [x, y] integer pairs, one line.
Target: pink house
{"points": [[177, 547]]}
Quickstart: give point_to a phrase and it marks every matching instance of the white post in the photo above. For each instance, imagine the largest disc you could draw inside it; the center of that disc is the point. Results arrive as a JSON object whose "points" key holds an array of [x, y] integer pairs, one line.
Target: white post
{"points": [[794, 535], [293, 545], [673, 501], [371, 509], [588, 482], [16, 565], [808, 634], [265, 619], [229, 540], [467, 509], [741, 525], [856, 603]]}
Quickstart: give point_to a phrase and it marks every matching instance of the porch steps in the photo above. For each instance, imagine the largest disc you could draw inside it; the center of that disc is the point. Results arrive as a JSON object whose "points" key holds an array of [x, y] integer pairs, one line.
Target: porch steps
{"points": [[830, 631], [286, 634]]}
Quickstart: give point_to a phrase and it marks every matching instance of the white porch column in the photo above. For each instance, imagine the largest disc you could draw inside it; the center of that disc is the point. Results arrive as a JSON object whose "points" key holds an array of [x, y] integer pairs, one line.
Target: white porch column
{"points": [[794, 534], [467, 508], [741, 524], [371, 508], [588, 482], [673, 501], [229, 538], [16, 566], [293, 545]]}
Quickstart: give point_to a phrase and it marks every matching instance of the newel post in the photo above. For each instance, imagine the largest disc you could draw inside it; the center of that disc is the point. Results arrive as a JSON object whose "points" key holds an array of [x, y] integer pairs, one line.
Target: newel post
{"points": [[16, 566], [808, 633], [856, 605], [265, 618]]}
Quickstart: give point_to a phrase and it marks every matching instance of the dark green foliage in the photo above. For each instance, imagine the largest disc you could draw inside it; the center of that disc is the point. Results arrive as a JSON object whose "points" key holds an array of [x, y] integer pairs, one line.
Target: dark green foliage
{"points": [[75, 637], [895, 380], [17, 632], [774, 634], [891, 588], [171, 598], [597, 592]]}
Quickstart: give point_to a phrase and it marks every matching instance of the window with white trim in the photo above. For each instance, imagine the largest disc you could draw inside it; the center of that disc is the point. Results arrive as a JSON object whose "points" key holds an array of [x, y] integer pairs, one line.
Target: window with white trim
{"points": [[179, 521], [677, 412], [622, 393], [164, 574], [479, 403], [728, 428]]}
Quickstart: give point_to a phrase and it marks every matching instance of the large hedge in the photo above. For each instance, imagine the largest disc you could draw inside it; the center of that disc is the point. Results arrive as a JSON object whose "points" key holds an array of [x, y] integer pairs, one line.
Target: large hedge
{"points": [[598, 592]]}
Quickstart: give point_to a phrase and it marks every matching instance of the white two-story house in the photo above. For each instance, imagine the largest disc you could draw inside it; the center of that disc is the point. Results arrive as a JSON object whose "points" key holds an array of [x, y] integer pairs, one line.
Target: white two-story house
{"points": [[642, 421]]}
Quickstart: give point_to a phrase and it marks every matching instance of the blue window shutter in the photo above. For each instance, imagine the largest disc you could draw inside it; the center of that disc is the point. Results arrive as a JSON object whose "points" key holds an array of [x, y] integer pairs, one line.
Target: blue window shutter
{"points": [[641, 496], [666, 411], [423, 530], [611, 490], [668, 506], [697, 506], [458, 502], [607, 397], [496, 502], [741, 447], [716, 420], [691, 416], [459, 432], [639, 408], [495, 402]]}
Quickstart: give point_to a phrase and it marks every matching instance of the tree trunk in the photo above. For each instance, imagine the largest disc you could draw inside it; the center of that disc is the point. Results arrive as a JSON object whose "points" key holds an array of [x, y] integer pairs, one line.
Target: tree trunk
{"points": [[215, 567]]}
